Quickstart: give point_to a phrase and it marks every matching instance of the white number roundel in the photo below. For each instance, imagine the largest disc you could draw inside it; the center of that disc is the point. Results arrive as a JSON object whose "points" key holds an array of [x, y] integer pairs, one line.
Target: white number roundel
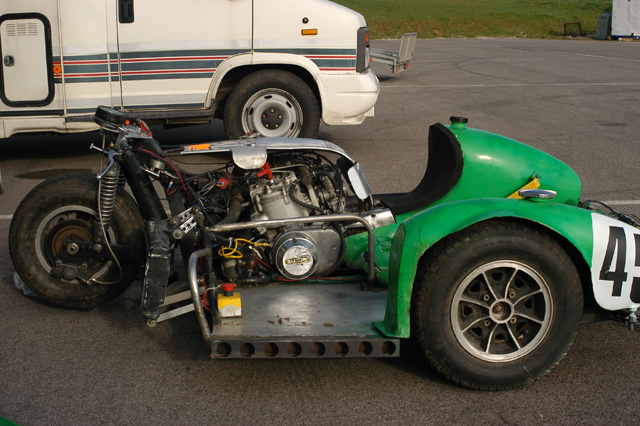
{"points": [[615, 264]]}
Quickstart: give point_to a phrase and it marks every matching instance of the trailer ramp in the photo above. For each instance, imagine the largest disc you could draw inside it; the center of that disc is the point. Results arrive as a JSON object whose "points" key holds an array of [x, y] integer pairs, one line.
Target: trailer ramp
{"points": [[398, 61]]}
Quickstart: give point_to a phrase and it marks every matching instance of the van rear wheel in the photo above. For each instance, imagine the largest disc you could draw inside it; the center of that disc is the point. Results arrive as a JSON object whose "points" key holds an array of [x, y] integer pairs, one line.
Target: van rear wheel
{"points": [[272, 103]]}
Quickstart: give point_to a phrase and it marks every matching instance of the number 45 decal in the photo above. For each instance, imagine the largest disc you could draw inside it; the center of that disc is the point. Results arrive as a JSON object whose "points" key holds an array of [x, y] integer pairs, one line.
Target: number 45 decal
{"points": [[617, 239], [616, 263]]}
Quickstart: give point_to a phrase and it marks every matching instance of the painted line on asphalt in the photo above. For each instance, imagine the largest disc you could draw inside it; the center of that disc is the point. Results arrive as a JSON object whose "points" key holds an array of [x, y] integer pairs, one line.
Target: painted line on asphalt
{"points": [[456, 86], [608, 58], [622, 202], [6, 216]]}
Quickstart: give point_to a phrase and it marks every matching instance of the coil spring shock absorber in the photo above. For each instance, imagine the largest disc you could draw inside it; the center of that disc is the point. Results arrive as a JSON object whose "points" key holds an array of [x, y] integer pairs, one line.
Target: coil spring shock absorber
{"points": [[107, 187], [107, 196]]}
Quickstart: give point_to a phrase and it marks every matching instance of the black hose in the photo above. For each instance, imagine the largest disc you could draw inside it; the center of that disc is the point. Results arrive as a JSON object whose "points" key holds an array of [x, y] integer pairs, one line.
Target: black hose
{"points": [[300, 203], [235, 208]]}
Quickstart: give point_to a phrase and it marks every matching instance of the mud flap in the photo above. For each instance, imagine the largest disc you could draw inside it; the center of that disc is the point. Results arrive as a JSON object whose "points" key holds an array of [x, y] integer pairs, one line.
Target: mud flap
{"points": [[156, 274]]}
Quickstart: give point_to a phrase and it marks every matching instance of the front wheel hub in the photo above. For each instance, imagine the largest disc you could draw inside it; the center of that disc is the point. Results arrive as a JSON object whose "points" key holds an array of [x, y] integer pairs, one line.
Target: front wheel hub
{"points": [[501, 311], [64, 238], [273, 113], [61, 236], [272, 118]]}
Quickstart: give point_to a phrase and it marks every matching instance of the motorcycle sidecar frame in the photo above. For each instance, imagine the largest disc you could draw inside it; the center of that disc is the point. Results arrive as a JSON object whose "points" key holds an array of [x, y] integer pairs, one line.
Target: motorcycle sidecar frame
{"points": [[297, 321]]}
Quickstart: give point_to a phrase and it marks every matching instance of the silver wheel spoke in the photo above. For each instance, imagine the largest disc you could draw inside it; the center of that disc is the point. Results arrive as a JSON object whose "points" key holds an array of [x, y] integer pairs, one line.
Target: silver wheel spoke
{"points": [[484, 328], [511, 280], [476, 322], [479, 303], [529, 317], [490, 339], [488, 282], [526, 296], [57, 217], [513, 337]]}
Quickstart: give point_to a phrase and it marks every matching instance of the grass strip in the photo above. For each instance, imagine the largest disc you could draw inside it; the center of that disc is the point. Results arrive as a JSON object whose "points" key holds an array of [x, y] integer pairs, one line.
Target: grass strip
{"points": [[479, 18]]}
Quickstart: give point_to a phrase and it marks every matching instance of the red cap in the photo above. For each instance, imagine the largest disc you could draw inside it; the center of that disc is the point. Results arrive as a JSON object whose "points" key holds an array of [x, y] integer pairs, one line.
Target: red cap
{"points": [[222, 183], [266, 170]]}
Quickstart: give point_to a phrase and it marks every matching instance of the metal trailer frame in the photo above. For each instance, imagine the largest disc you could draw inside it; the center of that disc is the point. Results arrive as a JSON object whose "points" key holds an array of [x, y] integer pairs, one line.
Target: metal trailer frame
{"points": [[399, 61]]}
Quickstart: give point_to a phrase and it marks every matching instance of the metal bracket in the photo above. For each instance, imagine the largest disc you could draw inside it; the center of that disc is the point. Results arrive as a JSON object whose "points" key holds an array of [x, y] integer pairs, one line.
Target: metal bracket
{"points": [[186, 221], [632, 318], [175, 298]]}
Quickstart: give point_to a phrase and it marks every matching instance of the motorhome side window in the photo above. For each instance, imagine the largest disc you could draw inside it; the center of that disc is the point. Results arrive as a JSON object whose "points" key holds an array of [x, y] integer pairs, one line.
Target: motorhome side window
{"points": [[125, 11]]}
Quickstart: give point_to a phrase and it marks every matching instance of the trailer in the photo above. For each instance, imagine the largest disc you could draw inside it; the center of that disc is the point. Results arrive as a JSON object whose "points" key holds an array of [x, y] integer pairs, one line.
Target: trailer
{"points": [[398, 61]]}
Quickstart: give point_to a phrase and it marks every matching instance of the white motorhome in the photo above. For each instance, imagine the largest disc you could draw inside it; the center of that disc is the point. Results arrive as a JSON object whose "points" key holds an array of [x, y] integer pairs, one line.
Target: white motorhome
{"points": [[273, 67]]}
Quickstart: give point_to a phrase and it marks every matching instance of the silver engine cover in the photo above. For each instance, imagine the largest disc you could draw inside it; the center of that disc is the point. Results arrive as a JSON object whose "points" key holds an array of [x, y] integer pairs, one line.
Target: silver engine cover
{"points": [[271, 199], [301, 253]]}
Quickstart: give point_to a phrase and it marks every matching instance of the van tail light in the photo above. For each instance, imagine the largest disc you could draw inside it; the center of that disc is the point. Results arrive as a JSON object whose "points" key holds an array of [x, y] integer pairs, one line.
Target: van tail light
{"points": [[363, 57]]}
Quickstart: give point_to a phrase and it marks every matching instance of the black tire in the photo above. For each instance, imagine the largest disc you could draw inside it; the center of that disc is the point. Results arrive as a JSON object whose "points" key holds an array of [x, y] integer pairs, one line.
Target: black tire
{"points": [[272, 103], [63, 209], [482, 332]]}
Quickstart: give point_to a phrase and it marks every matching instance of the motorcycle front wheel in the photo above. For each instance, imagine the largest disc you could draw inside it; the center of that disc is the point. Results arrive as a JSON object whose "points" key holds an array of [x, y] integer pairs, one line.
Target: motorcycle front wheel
{"points": [[54, 219]]}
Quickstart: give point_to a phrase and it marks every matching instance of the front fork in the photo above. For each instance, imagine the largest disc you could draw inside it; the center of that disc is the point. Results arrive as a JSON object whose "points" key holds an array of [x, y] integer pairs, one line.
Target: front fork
{"points": [[148, 203], [143, 191], [161, 232], [157, 234]]}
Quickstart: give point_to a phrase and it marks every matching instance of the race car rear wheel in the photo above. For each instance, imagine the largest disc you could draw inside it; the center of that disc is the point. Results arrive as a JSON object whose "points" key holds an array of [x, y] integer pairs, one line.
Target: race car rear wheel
{"points": [[496, 306]]}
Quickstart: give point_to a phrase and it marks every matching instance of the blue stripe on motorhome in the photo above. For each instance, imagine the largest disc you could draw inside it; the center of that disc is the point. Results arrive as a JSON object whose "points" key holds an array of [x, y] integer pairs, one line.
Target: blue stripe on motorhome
{"points": [[166, 76], [181, 53], [175, 64], [334, 63], [310, 52], [171, 65]]}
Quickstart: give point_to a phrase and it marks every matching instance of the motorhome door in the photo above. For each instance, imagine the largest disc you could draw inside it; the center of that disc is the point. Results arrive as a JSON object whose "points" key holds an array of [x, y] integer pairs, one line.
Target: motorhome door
{"points": [[27, 74]]}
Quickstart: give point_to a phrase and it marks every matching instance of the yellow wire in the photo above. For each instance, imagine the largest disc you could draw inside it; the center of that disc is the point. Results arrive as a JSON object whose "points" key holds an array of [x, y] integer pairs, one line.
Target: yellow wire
{"points": [[234, 253], [252, 243], [230, 253]]}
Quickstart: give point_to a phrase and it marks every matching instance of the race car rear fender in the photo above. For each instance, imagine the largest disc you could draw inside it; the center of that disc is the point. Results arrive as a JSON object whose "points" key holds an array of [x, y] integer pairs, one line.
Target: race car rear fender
{"points": [[418, 234]]}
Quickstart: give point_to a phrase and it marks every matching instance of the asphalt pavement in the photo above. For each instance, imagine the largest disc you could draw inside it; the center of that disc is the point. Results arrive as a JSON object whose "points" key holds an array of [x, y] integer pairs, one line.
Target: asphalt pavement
{"points": [[578, 100]]}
